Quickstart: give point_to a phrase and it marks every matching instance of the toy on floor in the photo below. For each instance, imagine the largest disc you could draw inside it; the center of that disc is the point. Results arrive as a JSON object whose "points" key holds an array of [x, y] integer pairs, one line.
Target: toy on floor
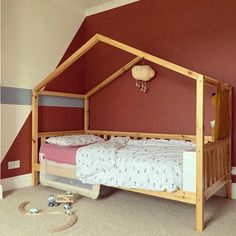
{"points": [[66, 198], [36, 212], [67, 206]]}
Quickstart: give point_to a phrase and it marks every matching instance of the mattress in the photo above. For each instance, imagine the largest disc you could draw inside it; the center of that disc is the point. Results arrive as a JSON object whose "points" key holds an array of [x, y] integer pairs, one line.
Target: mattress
{"points": [[146, 164], [58, 154]]}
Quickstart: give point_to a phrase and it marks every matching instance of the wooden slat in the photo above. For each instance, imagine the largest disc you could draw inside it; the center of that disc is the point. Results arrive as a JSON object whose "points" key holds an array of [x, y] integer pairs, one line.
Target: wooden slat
{"points": [[147, 135], [211, 180], [225, 160], [228, 161], [86, 114], [179, 195], [218, 163], [74, 57], [229, 185], [59, 133], [217, 169], [113, 76], [60, 94], [221, 162], [35, 177], [200, 153], [215, 187], [42, 140], [213, 165], [206, 170]]}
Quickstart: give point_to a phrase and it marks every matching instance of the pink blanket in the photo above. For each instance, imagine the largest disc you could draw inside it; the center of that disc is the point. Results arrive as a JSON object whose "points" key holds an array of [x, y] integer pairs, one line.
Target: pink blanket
{"points": [[59, 154]]}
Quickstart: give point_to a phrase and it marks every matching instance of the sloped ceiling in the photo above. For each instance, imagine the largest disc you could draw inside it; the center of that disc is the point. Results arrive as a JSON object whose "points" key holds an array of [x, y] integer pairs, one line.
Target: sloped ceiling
{"points": [[90, 7], [85, 4]]}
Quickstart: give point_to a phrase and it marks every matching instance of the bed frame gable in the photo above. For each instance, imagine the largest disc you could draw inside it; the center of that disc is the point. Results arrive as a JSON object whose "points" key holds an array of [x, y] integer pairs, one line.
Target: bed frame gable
{"points": [[139, 56]]}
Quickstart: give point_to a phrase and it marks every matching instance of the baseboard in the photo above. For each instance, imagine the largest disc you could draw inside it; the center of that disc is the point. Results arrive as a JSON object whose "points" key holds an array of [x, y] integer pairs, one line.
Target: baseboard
{"points": [[233, 190], [107, 6], [16, 182], [1, 191]]}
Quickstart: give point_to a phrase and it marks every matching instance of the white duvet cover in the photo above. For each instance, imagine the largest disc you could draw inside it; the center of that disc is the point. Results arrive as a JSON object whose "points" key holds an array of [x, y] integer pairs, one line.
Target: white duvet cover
{"points": [[145, 164]]}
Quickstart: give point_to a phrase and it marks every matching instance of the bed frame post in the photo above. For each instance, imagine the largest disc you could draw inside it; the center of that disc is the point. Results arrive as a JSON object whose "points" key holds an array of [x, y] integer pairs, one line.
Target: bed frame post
{"points": [[35, 174], [86, 114], [200, 153], [229, 184]]}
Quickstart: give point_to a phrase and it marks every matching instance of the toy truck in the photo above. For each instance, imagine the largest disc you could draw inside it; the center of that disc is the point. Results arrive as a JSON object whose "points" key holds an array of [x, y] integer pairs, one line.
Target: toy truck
{"points": [[66, 198]]}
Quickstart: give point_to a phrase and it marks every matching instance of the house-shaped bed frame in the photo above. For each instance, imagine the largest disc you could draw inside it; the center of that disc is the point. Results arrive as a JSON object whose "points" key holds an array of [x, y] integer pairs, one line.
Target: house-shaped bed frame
{"points": [[213, 155]]}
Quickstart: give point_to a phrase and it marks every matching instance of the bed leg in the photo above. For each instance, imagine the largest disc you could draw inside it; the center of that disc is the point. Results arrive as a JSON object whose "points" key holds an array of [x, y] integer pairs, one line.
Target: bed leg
{"points": [[200, 215], [229, 190], [35, 178]]}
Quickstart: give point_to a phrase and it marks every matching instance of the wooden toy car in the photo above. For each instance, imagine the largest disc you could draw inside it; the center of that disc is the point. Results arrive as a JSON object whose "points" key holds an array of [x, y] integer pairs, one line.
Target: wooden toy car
{"points": [[65, 198], [34, 211], [67, 206]]}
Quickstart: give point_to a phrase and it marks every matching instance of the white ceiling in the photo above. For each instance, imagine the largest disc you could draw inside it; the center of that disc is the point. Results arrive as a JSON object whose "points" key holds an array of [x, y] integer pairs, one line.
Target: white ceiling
{"points": [[85, 4], [82, 4], [90, 7]]}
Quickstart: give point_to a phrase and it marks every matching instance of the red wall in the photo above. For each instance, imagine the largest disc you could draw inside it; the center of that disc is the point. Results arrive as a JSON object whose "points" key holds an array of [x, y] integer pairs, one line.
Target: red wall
{"points": [[199, 35], [50, 119]]}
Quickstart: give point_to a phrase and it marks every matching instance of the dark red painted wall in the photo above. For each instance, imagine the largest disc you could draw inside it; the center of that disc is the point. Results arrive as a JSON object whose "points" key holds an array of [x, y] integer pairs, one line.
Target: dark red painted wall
{"points": [[19, 150], [199, 35], [50, 119], [60, 118], [72, 80]]}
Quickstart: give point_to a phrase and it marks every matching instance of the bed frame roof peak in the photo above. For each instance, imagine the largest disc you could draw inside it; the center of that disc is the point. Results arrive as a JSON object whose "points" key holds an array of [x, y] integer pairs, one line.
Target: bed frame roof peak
{"points": [[139, 56]]}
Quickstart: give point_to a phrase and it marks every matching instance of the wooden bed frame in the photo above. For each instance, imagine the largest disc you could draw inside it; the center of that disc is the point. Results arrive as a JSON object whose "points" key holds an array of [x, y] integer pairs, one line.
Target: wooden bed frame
{"points": [[213, 157]]}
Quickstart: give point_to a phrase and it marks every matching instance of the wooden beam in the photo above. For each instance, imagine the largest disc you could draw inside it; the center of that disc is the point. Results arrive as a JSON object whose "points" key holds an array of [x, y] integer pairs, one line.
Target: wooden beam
{"points": [[59, 133], [35, 177], [200, 154], [86, 114], [113, 76], [213, 82], [229, 184], [146, 135], [149, 57], [178, 195], [74, 57], [60, 94], [215, 187]]}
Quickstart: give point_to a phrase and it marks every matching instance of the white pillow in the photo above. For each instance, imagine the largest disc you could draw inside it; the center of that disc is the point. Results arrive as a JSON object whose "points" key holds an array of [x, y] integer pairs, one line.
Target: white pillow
{"points": [[74, 140], [121, 140]]}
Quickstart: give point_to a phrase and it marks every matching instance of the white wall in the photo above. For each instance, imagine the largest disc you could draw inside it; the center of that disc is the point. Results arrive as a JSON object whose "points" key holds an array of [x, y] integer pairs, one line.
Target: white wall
{"points": [[35, 35]]}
